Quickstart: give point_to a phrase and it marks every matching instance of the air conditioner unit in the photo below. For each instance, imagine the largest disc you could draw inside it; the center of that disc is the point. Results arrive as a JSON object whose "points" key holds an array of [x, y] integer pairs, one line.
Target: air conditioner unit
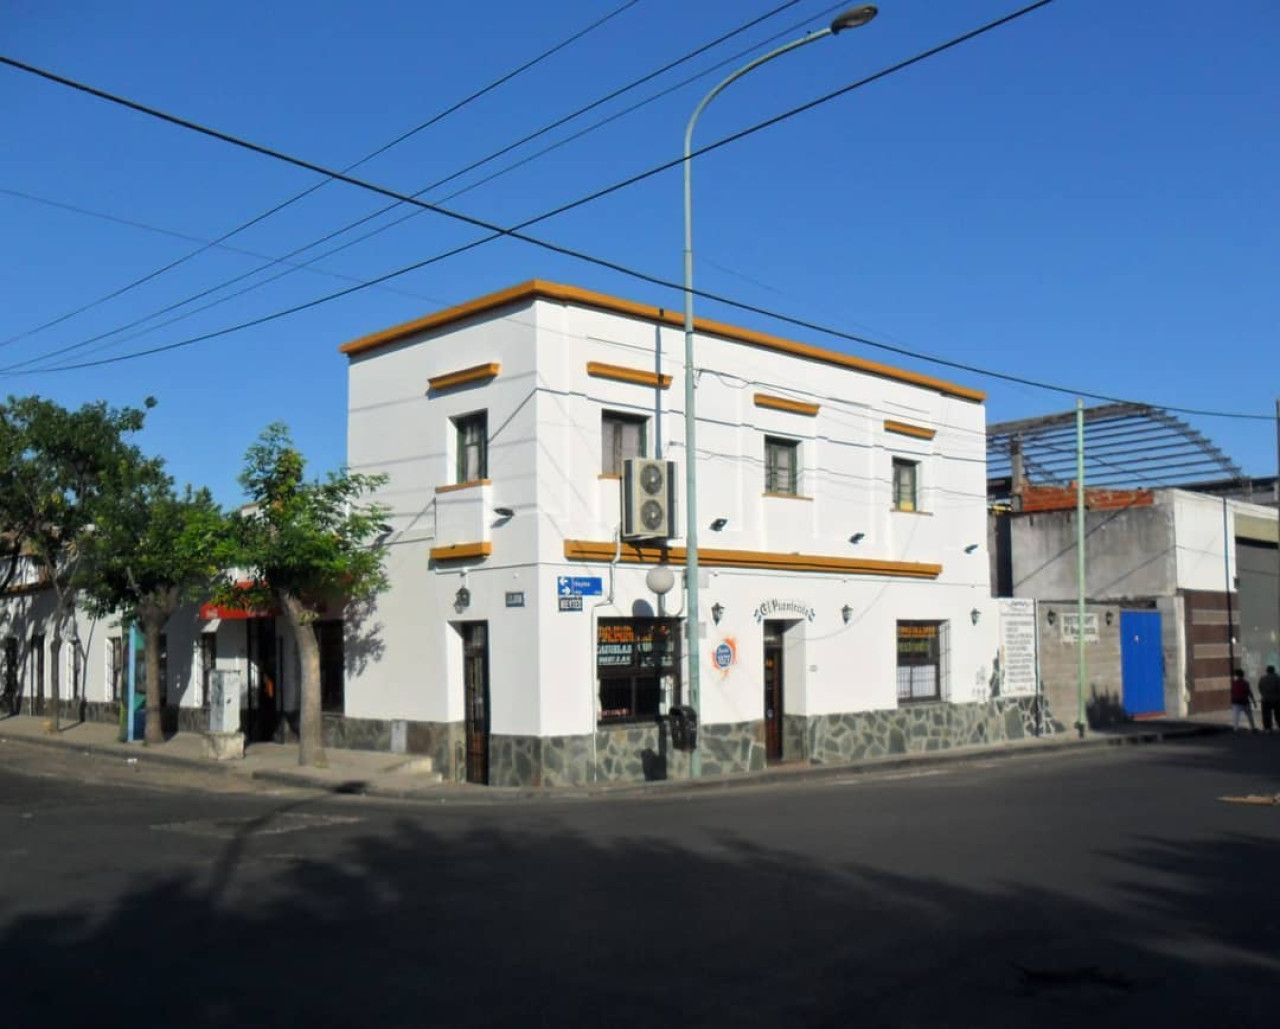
{"points": [[648, 499]]}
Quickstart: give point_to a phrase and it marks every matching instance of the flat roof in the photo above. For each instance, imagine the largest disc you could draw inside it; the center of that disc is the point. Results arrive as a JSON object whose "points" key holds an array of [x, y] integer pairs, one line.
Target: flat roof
{"points": [[539, 289]]}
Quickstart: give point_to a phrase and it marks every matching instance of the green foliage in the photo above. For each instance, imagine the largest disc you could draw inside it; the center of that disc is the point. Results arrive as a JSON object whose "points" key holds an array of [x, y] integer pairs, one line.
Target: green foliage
{"points": [[299, 538], [56, 465], [150, 547]]}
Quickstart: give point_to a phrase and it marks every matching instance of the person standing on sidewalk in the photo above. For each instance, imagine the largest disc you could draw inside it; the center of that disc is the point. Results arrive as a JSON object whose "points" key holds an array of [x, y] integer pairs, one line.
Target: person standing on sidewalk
{"points": [[1269, 694], [1241, 701]]}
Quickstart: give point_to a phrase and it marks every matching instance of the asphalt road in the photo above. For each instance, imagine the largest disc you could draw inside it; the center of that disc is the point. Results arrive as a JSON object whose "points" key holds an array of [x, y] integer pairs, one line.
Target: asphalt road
{"points": [[1104, 888]]}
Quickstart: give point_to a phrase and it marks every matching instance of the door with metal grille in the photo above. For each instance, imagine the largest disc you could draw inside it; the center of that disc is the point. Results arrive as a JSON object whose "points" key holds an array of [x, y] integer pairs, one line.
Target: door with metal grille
{"points": [[773, 690], [475, 663]]}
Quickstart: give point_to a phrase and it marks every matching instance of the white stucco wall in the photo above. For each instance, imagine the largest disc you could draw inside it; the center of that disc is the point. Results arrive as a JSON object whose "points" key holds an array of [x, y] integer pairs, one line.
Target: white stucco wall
{"points": [[544, 414]]}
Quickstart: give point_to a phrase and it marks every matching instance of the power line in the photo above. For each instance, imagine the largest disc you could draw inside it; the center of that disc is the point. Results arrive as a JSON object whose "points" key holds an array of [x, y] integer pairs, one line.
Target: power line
{"points": [[439, 116], [160, 230], [516, 232], [417, 210], [496, 230]]}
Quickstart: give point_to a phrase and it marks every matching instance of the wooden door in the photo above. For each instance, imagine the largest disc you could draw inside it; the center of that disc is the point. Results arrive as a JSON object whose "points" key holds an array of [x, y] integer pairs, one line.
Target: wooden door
{"points": [[475, 659], [773, 693]]}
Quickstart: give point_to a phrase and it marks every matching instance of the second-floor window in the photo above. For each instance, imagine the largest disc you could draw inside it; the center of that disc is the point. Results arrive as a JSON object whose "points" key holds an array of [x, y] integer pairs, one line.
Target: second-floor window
{"points": [[473, 446], [906, 485], [621, 436], [781, 465]]}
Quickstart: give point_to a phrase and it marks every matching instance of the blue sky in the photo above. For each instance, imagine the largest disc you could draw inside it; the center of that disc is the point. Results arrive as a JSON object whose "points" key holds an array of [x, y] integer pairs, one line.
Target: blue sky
{"points": [[1087, 196]]}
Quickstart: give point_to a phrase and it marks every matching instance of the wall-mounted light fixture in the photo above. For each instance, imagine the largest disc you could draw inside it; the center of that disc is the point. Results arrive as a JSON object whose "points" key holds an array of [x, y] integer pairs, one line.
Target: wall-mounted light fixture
{"points": [[505, 512], [857, 537], [1051, 617], [717, 611], [719, 524], [976, 615], [1110, 617], [846, 613], [971, 548], [462, 599]]}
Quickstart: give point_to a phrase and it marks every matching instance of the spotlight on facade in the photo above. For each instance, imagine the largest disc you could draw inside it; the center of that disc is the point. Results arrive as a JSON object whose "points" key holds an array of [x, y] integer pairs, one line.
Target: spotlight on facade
{"points": [[717, 611], [976, 615], [505, 512], [971, 548], [846, 613], [857, 537], [719, 524], [1051, 617], [462, 599]]}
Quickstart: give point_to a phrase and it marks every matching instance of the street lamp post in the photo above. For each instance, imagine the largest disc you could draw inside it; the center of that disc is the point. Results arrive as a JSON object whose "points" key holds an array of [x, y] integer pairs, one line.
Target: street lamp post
{"points": [[850, 19]]}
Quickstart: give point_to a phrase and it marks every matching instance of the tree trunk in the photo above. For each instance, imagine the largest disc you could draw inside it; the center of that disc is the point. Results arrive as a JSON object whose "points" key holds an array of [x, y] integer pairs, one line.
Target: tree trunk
{"points": [[55, 672], [310, 729], [153, 620]]}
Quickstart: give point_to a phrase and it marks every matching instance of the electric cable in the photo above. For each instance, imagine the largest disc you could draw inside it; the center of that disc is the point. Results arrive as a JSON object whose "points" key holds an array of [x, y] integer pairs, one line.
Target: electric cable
{"points": [[285, 259], [516, 232], [439, 116]]}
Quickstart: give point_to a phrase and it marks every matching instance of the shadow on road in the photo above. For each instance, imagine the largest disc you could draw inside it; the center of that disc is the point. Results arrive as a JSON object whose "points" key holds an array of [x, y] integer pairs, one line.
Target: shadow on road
{"points": [[538, 925]]}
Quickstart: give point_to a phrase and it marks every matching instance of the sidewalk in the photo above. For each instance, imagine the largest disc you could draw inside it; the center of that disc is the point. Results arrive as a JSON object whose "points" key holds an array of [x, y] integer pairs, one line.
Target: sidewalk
{"points": [[401, 776]]}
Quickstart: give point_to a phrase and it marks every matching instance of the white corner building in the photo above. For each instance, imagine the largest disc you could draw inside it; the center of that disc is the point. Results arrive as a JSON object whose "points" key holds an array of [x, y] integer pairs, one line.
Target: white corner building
{"points": [[844, 598]]}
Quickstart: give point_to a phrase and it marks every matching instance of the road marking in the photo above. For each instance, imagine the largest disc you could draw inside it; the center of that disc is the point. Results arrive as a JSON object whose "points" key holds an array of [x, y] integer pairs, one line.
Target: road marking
{"points": [[273, 825]]}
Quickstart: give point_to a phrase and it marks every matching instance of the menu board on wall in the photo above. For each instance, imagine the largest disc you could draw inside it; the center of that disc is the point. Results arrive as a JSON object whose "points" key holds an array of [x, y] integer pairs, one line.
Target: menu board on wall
{"points": [[635, 643], [1017, 646]]}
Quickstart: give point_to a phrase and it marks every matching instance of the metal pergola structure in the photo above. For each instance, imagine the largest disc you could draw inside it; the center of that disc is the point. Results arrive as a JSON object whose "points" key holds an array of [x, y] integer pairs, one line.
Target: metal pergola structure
{"points": [[1130, 446]]}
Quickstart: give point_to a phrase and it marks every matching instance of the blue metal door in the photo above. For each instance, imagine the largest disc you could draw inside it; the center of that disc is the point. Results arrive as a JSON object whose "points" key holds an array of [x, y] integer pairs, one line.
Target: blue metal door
{"points": [[1142, 662]]}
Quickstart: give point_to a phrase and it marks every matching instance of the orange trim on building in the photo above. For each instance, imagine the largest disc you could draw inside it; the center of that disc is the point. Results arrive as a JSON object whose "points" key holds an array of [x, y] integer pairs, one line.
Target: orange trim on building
{"points": [[906, 429], [536, 289], [618, 373], [476, 373], [464, 485], [785, 404], [632, 553], [461, 551]]}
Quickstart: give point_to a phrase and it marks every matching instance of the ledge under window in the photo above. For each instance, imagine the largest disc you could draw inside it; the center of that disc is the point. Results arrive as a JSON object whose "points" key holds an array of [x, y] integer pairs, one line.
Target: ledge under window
{"points": [[464, 485], [785, 496], [476, 373]]}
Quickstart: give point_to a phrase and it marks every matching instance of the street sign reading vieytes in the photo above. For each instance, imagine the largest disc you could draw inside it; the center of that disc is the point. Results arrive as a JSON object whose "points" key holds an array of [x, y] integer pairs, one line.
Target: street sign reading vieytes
{"points": [[579, 586]]}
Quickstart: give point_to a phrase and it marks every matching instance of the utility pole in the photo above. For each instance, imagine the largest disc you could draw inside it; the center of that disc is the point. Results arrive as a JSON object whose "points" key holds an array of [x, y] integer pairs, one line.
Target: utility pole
{"points": [[1081, 721]]}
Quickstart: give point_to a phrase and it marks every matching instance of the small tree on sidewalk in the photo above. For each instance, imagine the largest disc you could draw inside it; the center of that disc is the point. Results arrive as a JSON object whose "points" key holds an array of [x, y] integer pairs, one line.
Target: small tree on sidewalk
{"points": [[302, 541], [58, 464], [151, 550]]}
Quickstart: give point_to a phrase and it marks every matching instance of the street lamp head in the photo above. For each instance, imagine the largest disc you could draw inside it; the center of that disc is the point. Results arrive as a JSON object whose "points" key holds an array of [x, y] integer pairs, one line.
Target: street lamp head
{"points": [[854, 17]]}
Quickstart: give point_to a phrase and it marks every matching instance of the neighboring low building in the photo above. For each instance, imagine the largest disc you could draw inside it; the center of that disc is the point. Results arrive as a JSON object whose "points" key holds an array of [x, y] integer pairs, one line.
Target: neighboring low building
{"points": [[845, 596], [1180, 586]]}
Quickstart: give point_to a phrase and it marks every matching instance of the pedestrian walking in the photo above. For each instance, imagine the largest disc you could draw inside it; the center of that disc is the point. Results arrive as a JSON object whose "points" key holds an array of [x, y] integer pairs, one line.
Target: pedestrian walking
{"points": [[1241, 701], [1269, 694]]}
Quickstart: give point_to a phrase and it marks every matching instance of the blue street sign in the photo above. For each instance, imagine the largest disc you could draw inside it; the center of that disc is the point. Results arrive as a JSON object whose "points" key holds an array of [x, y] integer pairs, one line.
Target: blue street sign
{"points": [[579, 586]]}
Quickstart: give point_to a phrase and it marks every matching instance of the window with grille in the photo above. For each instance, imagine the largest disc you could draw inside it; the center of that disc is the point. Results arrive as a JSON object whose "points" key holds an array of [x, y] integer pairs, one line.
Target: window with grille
{"points": [[473, 446], [633, 658], [208, 664], [923, 661], [781, 465], [622, 436], [905, 484]]}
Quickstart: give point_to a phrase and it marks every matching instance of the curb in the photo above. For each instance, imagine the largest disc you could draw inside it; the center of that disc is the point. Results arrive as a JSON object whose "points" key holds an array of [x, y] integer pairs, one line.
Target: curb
{"points": [[122, 750], [463, 795]]}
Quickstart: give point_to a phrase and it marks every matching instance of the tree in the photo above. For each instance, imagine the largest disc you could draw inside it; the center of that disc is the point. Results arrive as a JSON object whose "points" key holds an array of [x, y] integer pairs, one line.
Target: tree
{"points": [[300, 542], [151, 549], [58, 464]]}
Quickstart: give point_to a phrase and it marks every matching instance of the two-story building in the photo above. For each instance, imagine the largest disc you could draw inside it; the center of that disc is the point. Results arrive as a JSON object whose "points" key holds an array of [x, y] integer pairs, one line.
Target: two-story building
{"points": [[844, 594]]}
